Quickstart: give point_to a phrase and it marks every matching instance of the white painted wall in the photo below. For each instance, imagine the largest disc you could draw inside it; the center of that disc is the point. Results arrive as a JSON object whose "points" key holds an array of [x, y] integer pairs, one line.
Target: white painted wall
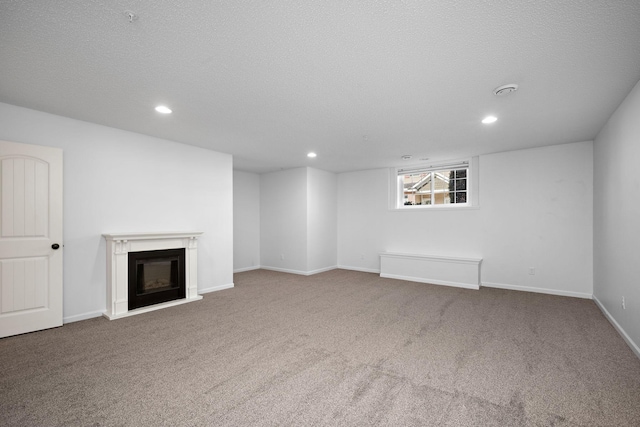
{"points": [[283, 220], [535, 211], [117, 181], [246, 221], [322, 220], [298, 220], [617, 218]]}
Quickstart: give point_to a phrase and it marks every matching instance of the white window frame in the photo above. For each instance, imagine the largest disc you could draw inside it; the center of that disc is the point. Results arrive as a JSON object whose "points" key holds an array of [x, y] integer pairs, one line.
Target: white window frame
{"points": [[396, 190]]}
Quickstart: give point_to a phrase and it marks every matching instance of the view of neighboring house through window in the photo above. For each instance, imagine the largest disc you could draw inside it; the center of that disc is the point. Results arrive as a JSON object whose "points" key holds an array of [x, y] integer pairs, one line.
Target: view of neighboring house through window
{"points": [[435, 185]]}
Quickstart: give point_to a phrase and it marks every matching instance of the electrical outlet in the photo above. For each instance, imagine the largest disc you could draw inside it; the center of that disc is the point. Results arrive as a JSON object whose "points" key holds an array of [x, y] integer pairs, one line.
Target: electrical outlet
{"points": [[362, 256], [281, 256], [624, 304], [532, 270]]}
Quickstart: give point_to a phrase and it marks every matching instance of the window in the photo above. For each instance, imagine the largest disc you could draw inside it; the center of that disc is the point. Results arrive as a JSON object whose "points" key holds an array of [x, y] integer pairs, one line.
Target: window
{"points": [[434, 185]]}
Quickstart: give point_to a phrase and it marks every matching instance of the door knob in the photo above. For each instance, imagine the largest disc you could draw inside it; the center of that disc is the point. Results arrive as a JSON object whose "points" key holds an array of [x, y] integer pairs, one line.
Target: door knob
{"points": [[55, 246]]}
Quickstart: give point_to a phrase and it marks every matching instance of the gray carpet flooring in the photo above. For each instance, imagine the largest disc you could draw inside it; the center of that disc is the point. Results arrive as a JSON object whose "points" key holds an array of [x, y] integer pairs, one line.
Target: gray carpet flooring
{"points": [[340, 348]]}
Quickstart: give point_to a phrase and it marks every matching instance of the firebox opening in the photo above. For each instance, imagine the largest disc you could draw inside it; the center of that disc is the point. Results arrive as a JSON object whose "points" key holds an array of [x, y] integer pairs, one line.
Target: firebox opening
{"points": [[155, 277]]}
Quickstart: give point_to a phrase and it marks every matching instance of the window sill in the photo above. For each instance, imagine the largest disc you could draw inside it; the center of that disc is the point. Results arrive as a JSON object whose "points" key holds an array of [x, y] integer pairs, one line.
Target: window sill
{"points": [[434, 208]]}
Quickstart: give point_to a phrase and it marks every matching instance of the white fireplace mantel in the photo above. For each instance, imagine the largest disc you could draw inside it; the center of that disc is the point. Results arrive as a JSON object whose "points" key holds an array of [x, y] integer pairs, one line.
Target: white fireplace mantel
{"points": [[118, 247]]}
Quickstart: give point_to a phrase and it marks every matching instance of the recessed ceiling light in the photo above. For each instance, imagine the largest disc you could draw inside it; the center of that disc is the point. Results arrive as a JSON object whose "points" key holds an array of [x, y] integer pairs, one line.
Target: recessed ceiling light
{"points": [[311, 155], [489, 119], [164, 110]]}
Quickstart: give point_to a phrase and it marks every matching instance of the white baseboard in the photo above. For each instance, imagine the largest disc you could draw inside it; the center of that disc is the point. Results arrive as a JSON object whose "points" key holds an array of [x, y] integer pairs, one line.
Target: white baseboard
{"points": [[364, 270], [215, 288], [617, 327], [83, 316], [321, 270], [299, 272], [243, 269], [284, 270], [430, 281], [537, 290]]}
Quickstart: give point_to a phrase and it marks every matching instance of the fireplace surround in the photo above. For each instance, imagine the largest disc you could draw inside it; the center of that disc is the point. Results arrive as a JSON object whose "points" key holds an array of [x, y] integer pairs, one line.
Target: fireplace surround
{"points": [[163, 271]]}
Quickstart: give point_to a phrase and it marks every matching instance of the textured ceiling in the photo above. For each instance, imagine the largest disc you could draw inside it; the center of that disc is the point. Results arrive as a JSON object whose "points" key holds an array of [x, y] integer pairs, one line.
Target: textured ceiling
{"points": [[359, 82]]}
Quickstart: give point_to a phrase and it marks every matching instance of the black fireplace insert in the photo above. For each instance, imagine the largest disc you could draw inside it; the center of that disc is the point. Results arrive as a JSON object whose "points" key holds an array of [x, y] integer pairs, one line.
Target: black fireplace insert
{"points": [[155, 277]]}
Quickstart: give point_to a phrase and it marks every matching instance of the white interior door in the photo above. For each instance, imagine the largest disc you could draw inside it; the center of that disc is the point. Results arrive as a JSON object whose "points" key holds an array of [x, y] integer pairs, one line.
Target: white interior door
{"points": [[30, 238]]}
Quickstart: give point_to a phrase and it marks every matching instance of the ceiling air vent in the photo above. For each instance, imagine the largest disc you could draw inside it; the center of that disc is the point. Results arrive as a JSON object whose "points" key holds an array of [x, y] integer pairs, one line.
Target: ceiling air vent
{"points": [[505, 89]]}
